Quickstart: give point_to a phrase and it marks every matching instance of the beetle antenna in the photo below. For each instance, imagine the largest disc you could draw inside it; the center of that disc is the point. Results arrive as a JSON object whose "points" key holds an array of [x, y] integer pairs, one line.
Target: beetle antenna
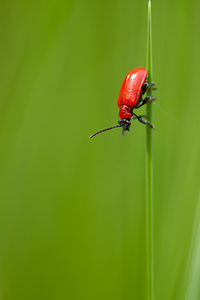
{"points": [[105, 130]]}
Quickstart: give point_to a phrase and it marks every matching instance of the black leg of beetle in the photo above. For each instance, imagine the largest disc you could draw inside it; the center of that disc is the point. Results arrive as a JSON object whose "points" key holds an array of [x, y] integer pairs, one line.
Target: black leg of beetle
{"points": [[143, 121], [147, 99], [146, 86], [134, 117], [151, 84]]}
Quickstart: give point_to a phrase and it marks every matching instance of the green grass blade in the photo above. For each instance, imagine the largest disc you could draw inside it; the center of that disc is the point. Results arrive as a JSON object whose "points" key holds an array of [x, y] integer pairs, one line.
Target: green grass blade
{"points": [[149, 166], [193, 268]]}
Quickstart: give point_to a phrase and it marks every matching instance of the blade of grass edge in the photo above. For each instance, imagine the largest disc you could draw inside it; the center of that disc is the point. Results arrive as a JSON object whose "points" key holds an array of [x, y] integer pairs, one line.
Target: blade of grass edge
{"points": [[149, 166]]}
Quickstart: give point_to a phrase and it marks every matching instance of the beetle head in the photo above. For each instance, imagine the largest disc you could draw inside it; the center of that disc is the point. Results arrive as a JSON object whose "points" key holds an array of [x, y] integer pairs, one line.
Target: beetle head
{"points": [[125, 123]]}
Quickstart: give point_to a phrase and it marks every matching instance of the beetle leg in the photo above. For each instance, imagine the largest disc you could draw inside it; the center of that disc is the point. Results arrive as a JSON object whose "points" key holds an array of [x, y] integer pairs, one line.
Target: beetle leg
{"points": [[143, 121], [146, 86], [147, 99], [134, 117], [152, 84]]}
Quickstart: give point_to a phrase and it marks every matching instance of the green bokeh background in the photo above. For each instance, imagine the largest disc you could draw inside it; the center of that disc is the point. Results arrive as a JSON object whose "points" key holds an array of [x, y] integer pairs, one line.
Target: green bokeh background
{"points": [[72, 210]]}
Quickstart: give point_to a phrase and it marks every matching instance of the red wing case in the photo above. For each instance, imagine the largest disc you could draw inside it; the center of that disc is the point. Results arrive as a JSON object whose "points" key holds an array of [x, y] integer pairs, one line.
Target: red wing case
{"points": [[131, 87]]}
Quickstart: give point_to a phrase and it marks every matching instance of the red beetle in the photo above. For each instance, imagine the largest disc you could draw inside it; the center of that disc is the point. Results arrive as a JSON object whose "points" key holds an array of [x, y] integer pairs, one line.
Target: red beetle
{"points": [[130, 97]]}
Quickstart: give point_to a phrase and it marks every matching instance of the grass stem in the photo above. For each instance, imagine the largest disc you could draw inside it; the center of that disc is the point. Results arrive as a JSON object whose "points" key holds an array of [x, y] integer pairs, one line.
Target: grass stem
{"points": [[149, 167]]}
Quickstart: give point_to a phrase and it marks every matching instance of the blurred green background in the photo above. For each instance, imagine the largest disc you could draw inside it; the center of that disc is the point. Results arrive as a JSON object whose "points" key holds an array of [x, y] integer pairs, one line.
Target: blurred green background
{"points": [[72, 210]]}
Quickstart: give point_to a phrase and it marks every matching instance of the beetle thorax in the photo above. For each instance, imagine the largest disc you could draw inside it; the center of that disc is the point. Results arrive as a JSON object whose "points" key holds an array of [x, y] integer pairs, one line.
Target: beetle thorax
{"points": [[125, 112]]}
